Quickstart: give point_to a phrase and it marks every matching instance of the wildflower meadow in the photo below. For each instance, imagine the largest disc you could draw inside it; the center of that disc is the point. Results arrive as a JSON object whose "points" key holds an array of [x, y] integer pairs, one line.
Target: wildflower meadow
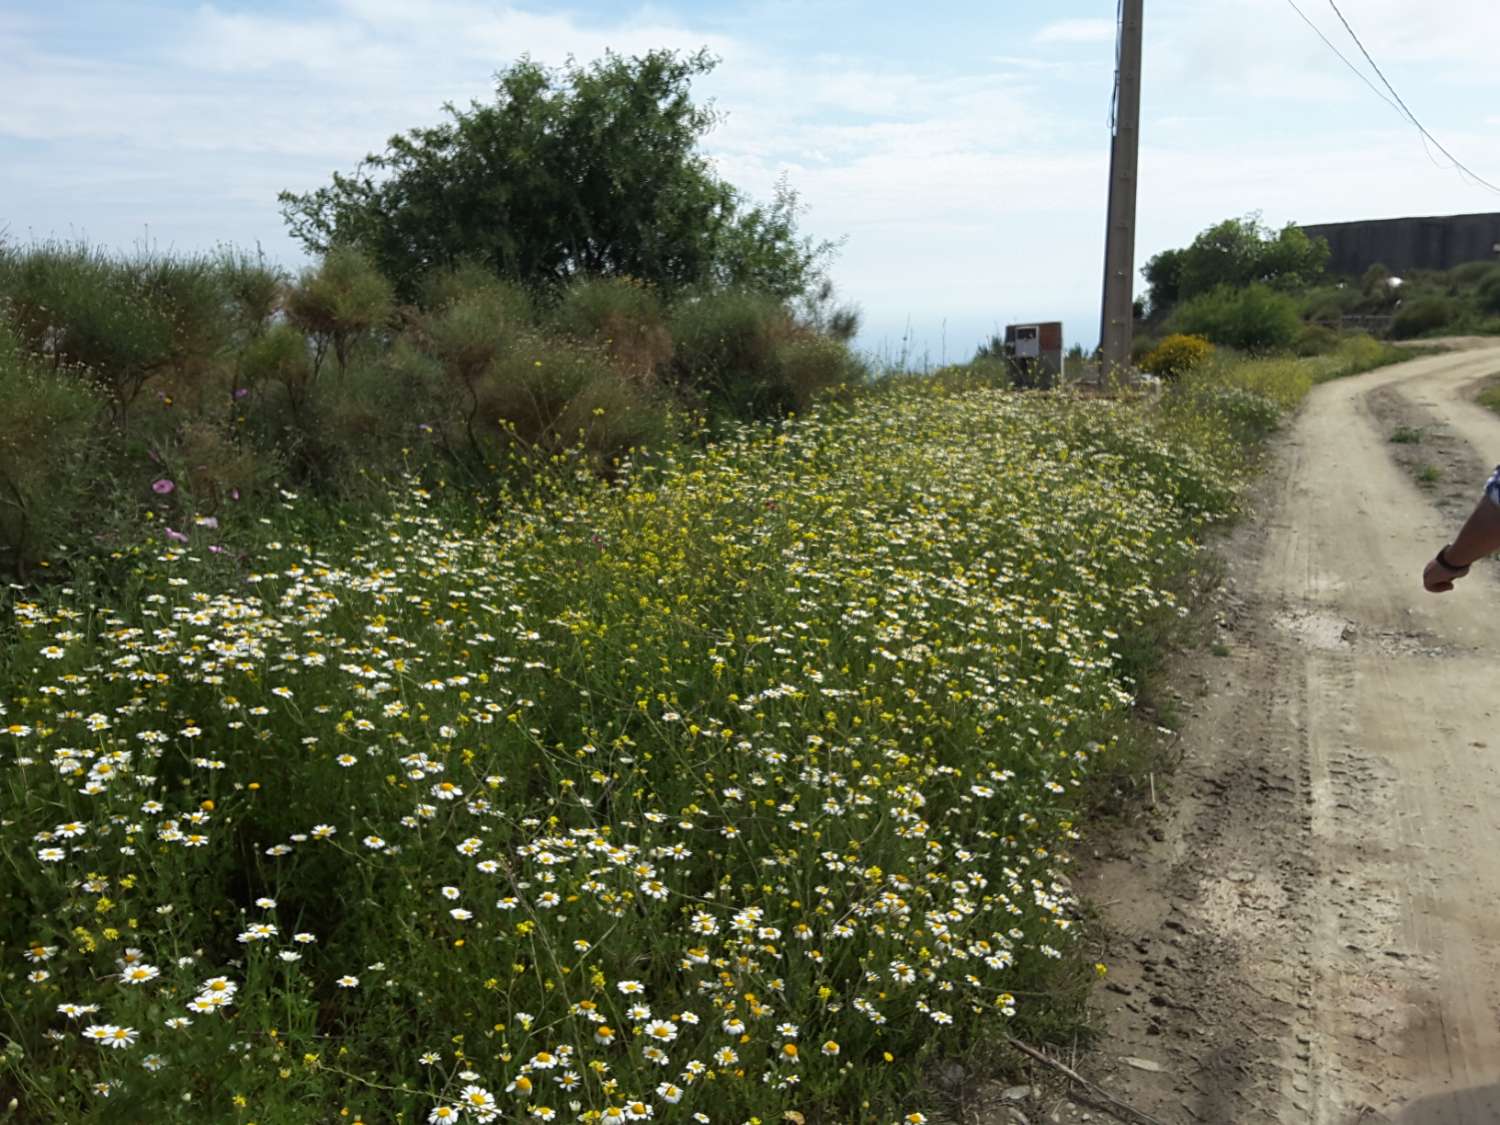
{"points": [[740, 785]]}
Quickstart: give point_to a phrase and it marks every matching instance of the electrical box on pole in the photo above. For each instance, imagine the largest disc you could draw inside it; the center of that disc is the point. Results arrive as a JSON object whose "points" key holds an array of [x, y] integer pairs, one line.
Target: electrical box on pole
{"points": [[1035, 353], [1117, 322]]}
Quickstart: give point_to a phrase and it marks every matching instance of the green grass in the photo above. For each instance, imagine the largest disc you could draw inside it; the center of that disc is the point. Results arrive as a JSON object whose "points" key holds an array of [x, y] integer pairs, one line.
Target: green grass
{"points": [[1429, 475], [786, 742], [1406, 435], [1357, 354], [1489, 397]]}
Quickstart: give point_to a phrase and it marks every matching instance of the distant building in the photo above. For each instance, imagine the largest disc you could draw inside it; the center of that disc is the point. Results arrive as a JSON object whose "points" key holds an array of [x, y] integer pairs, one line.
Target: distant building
{"points": [[1400, 245]]}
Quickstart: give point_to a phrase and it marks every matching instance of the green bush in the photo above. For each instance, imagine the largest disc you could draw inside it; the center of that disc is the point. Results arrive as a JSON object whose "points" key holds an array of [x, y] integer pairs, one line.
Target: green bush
{"points": [[210, 467], [281, 357], [83, 309], [621, 315], [339, 302], [254, 289], [608, 416], [1474, 273], [1489, 293], [213, 367], [49, 425], [1254, 319], [1315, 339], [467, 336], [1330, 302], [726, 347], [811, 365], [468, 279], [1423, 316], [527, 392], [747, 357]]}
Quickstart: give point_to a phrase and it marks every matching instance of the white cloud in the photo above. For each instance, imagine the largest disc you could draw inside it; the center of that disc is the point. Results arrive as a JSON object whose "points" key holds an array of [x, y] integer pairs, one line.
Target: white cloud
{"points": [[974, 197], [1077, 31], [1263, 47]]}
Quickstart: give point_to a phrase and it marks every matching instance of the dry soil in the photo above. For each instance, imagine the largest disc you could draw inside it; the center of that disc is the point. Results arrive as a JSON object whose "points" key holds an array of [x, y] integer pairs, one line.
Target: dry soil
{"points": [[1315, 937]]}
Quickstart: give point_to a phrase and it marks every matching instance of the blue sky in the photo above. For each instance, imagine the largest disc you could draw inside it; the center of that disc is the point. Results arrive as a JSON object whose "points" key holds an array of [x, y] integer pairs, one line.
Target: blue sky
{"points": [[959, 150]]}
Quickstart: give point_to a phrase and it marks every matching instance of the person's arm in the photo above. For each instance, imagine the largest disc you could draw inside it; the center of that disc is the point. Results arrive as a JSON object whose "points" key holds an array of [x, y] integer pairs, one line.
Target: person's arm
{"points": [[1479, 536]]}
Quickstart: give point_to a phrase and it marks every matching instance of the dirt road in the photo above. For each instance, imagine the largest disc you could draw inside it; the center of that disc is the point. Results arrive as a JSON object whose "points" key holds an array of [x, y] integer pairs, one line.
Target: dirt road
{"points": [[1316, 938]]}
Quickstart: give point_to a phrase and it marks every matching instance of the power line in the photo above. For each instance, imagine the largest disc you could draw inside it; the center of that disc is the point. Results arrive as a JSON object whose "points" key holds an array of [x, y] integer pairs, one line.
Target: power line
{"points": [[1403, 108], [1361, 75]]}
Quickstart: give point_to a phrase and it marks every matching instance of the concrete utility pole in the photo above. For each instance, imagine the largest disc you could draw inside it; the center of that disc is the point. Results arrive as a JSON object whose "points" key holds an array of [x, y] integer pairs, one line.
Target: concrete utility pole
{"points": [[1117, 323]]}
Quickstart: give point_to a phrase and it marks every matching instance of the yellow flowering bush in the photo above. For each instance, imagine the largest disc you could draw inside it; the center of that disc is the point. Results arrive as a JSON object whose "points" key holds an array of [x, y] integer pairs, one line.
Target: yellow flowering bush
{"points": [[1175, 356], [738, 786]]}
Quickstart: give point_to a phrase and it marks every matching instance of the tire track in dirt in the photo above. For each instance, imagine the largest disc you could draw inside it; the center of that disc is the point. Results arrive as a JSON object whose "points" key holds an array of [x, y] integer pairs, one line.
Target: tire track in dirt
{"points": [[1314, 939]]}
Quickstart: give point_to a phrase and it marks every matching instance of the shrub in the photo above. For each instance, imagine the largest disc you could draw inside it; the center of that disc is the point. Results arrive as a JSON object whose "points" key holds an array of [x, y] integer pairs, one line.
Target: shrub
{"points": [[525, 395], [1141, 346], [211, 468], [1330, 302], [621, 315], [467, 337], [190, 294], [1315, 339], [1489, 293], [445, 287], [1422, 316], [254, 289], [339, 302], [811, 365], [1175, 356], [608, 417], [49, 424], [743, 351], [80, 308], [1254, 319], [1474, 273], [726, 349], [280, 355]]}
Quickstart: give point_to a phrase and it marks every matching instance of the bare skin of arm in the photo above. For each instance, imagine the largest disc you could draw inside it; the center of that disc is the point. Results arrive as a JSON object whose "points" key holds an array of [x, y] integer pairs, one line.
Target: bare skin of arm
{"points": [[1479, 536]]}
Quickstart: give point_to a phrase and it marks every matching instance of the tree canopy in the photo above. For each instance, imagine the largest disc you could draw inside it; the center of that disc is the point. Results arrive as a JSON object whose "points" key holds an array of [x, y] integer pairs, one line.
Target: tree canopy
{"points": [[583, 170], [1238, 253]]}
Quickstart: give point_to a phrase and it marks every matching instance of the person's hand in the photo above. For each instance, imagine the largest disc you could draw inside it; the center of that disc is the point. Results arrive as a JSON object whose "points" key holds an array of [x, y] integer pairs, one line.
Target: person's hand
{"points": [[1438, 577]]}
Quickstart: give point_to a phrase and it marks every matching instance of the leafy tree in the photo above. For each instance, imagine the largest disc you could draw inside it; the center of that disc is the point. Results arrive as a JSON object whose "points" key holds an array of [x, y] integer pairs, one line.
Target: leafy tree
{"points": [[1163, 275], [1238, 253], [589, 171]]}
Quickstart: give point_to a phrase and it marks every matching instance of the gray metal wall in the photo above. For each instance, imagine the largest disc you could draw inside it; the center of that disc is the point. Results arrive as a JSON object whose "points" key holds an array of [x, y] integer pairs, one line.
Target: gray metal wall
{"points": [[1405, 244]]}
